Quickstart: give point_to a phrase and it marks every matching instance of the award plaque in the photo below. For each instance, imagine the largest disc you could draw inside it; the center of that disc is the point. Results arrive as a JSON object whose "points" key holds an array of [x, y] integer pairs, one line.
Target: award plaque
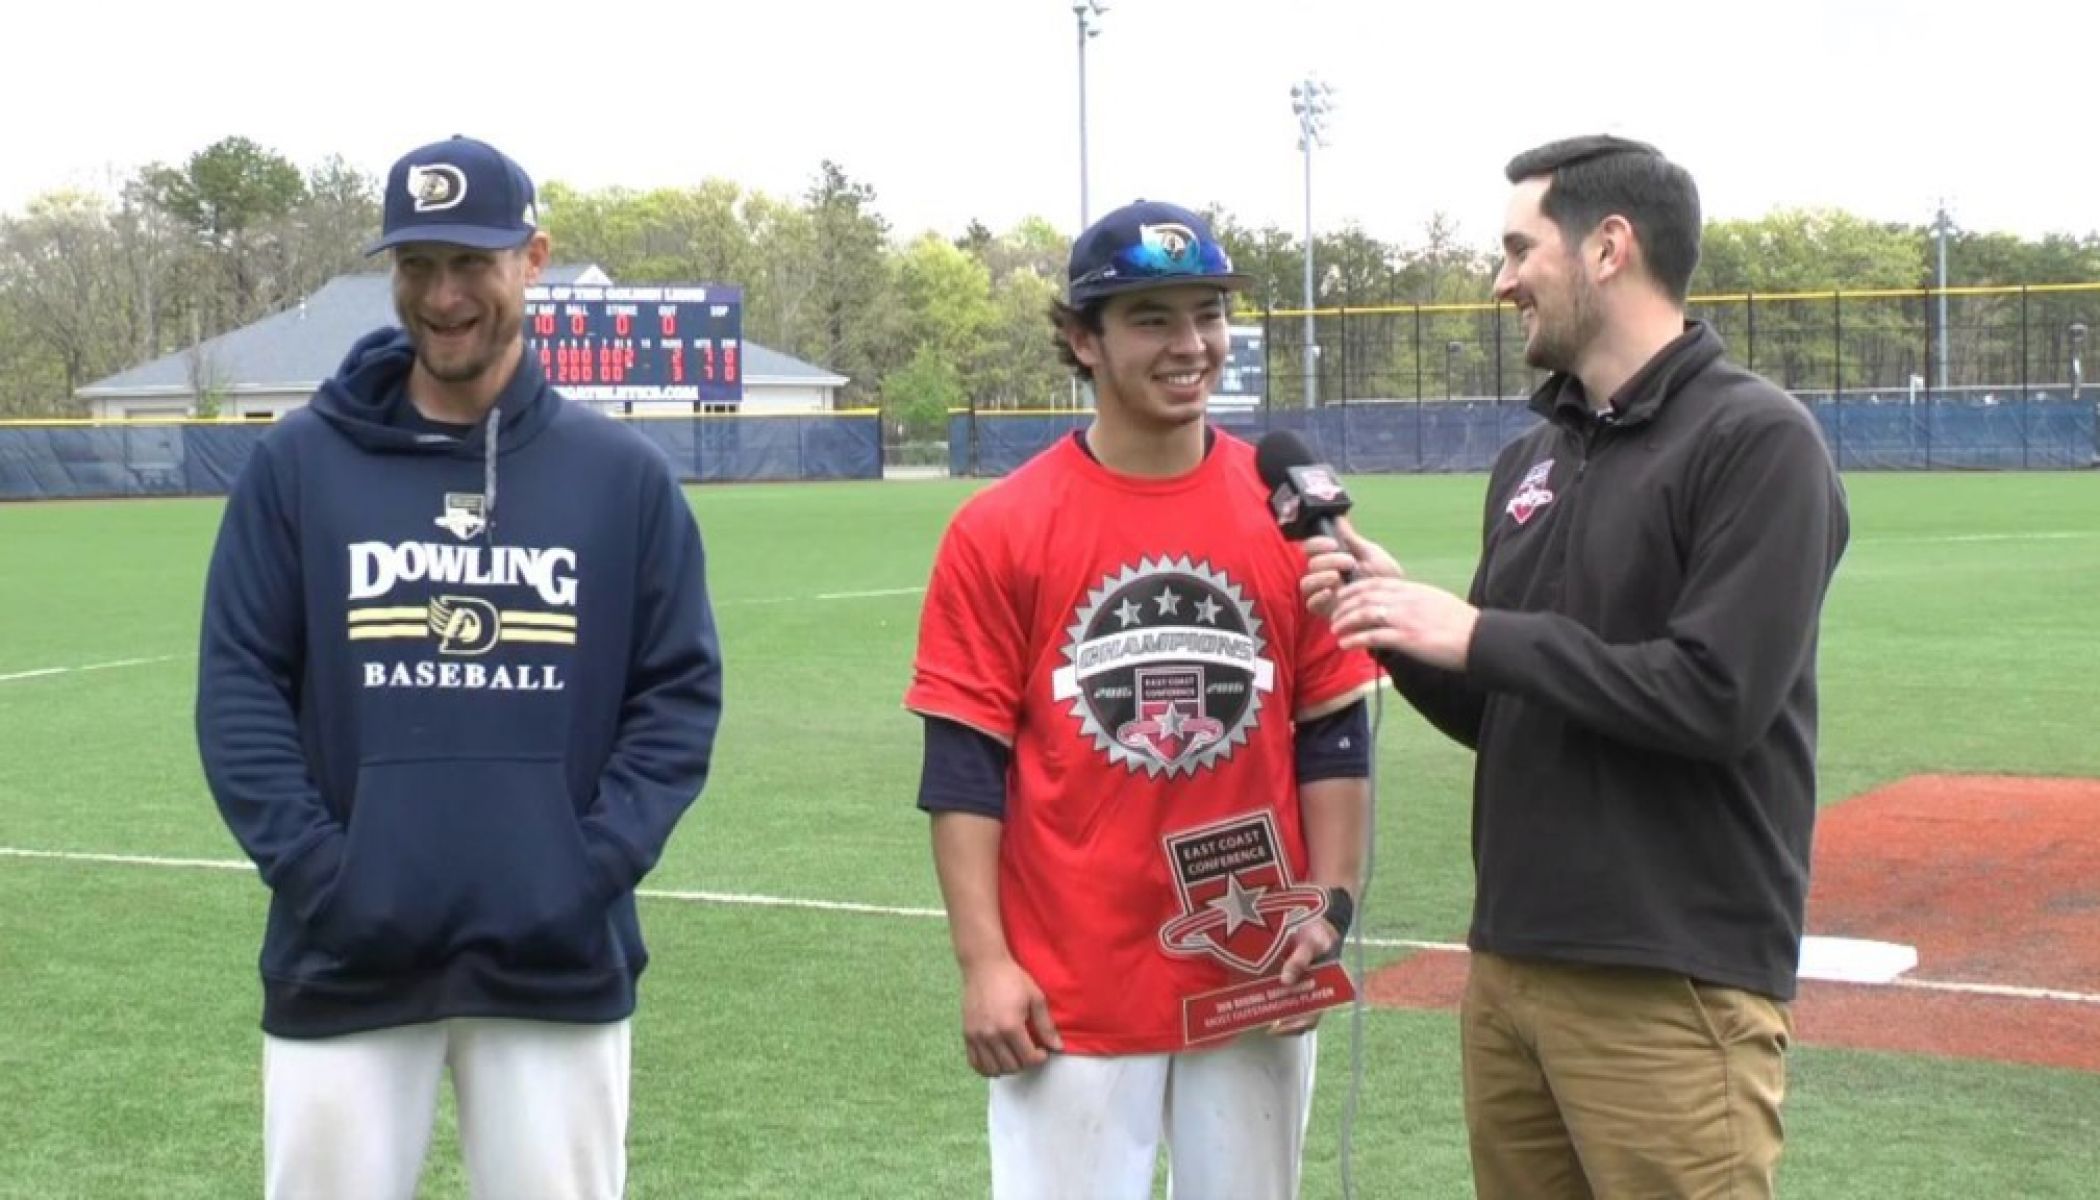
{"points": [[1238, 907]]}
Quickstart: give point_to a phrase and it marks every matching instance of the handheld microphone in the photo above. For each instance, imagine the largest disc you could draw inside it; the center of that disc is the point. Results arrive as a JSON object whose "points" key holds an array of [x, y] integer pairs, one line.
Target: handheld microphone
{"points": [[1305, 496]]}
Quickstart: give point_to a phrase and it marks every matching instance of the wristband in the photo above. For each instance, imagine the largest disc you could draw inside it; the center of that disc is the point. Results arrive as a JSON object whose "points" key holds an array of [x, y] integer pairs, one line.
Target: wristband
{"points": [[1341, 910]]}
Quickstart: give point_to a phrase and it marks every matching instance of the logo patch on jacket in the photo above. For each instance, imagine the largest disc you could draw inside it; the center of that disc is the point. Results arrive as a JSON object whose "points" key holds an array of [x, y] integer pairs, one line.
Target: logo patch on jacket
{"points": [[465, 515], [1532, 494]]}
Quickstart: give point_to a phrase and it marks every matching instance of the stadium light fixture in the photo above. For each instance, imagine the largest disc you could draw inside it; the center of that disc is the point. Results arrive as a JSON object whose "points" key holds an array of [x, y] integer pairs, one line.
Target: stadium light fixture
{"points": [[1311, 102], [1088, 15]]}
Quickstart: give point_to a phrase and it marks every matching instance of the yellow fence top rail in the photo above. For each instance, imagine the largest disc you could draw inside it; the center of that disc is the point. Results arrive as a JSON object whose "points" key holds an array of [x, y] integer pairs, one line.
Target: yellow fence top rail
{"points": [[1715, 298]]}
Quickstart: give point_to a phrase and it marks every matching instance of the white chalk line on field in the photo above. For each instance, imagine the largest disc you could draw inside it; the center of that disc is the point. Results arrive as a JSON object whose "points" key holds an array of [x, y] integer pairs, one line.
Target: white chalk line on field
{"points": [[51, 671], [129, 860], [874, 594], [888, 910], [44, 672], [1997, 990], [907, 591], [2003, 990], [884, 593], [2037, 535], [753, 901]]}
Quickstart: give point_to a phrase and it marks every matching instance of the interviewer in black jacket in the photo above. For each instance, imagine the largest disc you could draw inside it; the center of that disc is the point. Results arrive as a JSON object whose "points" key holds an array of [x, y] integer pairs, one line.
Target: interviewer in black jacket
{"points": [[1635, 666]]}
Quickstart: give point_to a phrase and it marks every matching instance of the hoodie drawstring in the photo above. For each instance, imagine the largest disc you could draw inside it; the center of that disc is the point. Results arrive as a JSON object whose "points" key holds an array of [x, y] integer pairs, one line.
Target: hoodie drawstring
{"points": [[488, 476]]}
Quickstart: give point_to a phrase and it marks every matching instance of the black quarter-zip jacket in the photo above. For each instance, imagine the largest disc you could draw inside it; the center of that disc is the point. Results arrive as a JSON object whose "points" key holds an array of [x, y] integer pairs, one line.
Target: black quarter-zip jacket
{"points": [[1641, 686]]}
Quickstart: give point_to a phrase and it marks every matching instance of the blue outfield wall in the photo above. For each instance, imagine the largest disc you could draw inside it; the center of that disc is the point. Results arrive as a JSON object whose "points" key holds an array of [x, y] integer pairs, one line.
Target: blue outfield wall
{"points": [[769, 449], [1412, 438], [49, 462]]}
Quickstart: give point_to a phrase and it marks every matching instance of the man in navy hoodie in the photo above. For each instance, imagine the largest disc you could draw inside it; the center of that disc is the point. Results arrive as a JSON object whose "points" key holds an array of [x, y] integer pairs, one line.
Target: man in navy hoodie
{"points": [[459, 681]]}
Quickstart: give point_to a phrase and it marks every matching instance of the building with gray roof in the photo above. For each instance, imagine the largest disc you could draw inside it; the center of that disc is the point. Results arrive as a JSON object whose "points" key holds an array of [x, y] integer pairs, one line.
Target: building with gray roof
{"points": [[262, 370]]}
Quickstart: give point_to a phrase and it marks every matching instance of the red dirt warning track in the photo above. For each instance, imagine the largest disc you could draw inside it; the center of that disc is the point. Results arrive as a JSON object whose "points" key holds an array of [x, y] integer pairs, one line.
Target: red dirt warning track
{"points": [[1996, 881]]}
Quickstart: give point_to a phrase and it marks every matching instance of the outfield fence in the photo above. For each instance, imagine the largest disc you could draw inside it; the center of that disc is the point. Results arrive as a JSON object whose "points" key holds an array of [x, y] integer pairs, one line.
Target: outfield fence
{"points": [[191, 457]]}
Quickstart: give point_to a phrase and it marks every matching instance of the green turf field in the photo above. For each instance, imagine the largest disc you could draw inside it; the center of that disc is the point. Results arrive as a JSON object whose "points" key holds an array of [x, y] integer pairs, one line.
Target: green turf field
{"points": [[805, 1051]]}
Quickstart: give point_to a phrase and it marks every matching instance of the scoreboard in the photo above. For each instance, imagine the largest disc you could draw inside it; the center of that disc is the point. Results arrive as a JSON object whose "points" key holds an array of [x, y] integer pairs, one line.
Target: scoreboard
{"points": [[678, 342], [1244, 381]]}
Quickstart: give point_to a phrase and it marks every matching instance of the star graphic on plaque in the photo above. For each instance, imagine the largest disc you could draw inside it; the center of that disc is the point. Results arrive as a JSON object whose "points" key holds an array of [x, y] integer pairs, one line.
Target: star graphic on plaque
{"points": [[1241, 905]]}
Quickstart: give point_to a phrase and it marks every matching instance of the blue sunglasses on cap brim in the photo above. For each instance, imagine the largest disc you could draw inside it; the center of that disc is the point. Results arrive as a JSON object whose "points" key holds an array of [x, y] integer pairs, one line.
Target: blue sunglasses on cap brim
{"points": [[1151, 261]]}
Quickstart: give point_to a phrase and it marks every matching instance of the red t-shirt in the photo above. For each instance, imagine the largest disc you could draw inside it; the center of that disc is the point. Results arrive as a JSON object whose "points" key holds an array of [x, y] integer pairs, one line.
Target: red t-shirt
{"points": [[1142, 646]]}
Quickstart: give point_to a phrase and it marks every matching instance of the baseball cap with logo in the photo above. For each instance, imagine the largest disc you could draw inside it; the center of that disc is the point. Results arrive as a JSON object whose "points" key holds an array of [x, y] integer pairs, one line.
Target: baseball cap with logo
{"points": [[459, 191], [1148, 244]]}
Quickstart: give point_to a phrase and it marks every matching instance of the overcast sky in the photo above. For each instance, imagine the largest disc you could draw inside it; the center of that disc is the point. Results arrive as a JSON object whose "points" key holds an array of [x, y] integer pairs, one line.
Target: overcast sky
{"points": [[962, 109]]}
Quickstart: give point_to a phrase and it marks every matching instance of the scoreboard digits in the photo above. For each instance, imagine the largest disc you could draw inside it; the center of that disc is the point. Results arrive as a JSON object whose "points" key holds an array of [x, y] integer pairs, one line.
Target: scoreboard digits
{"points": [[677, 343]]}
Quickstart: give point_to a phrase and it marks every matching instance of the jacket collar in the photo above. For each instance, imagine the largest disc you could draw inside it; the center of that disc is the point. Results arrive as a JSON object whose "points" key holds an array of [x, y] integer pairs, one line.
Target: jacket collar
{"points": [[1561, 398]]}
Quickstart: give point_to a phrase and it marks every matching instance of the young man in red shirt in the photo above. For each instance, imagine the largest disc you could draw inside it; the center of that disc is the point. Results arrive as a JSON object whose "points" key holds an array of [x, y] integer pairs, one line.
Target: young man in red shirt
{"points": [[1146, 762]]}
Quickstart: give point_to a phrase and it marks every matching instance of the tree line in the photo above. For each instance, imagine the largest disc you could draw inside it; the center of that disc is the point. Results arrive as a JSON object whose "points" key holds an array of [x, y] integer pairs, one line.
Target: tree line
{"points": [[93, 283]]}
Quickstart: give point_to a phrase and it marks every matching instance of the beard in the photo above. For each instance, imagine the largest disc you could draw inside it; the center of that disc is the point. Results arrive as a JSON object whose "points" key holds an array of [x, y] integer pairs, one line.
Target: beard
{"points": [[463, 363], [1557, 344]]}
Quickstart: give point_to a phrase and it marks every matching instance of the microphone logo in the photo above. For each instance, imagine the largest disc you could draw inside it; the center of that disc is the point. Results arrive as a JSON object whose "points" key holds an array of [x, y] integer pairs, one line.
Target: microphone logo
{"points": [[1305, 496], [1308, 497], [1283, 502], [1319, 483]]}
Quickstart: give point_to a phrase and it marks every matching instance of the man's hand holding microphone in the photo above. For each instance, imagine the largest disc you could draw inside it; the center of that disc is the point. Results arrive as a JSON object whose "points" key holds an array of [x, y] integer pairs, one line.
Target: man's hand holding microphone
{"points": [[1350, 579]]}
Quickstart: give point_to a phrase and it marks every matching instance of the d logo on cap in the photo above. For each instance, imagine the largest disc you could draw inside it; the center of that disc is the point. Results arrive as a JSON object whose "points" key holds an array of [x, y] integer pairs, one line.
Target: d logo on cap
{"points": [[1176, 240], [437, 187]]}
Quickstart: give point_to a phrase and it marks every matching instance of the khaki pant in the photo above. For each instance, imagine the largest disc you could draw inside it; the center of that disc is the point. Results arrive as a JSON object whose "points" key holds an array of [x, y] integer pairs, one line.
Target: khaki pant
{"points": [[1619, 1083]]}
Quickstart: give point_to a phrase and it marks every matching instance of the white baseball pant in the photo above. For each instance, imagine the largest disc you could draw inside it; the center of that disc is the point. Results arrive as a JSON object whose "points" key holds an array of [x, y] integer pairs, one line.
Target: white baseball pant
{"points": [[542, 1110], [1089, 1127]]}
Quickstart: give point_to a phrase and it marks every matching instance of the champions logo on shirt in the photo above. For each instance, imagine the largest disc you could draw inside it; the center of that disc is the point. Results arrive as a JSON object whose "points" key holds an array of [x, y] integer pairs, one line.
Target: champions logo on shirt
{"points": [[1164, 667]]}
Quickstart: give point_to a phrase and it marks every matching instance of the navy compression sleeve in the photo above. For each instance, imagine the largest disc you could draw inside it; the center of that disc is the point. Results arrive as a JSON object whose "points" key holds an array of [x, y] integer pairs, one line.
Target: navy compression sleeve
{"points": [[964, 770], [1336, 746]]}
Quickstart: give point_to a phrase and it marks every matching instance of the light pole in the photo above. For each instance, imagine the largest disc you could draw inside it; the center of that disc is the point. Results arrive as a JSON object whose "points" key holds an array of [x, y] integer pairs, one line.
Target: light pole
{"points": [[1942, 224], [1311, 101], [1088, 14], [2077, 359]]}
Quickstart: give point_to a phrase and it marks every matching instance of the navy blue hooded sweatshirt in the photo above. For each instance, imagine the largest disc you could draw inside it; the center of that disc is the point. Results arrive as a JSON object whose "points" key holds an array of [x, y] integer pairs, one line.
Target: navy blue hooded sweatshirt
{"points": [[454, 693]]}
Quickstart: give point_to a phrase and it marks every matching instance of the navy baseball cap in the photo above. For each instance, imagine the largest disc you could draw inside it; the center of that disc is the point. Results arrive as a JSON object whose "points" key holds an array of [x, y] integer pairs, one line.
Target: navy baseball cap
{"points": [[460, 191], [1148, 244]]}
